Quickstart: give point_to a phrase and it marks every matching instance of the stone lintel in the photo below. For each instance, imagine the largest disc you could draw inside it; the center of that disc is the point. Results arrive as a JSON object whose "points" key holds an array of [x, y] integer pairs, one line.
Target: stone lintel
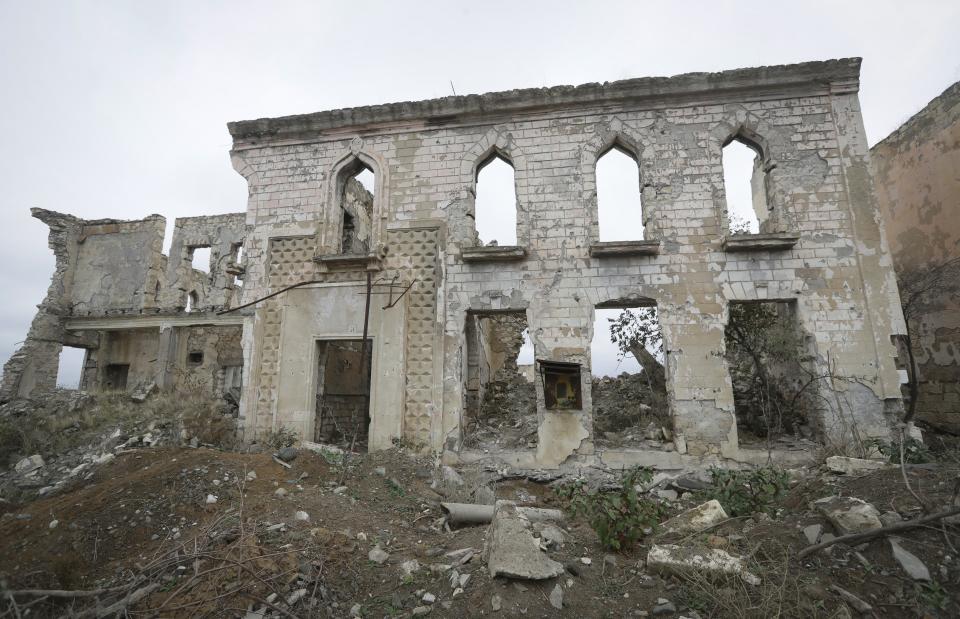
{"points": [[349, 262], [760, 242], [613, 249], [502, 253]]}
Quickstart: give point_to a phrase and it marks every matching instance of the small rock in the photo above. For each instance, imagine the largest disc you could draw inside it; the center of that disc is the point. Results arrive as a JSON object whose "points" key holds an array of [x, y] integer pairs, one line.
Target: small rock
{"points": [[663, 607], [54, 524], [910, 563], [251, 475], [419, 611], [355, 610], [496, 603], [696, 519], [409, 568], [849, 514], [812, 532], [381, 471], [888, 518], [339, 490], [302, 516], [211, 499], [296, 596], [668, 495], [586, 560], [556, 597], [610, 560], [280, 492], [378, 555], [428, 598], [451, 477], [287, 454]]}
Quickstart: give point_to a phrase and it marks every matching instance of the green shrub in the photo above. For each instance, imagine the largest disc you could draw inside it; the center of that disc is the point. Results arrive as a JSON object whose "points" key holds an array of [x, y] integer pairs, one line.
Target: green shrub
{"points": [[914, 451], [618, 517], [742, 493]]}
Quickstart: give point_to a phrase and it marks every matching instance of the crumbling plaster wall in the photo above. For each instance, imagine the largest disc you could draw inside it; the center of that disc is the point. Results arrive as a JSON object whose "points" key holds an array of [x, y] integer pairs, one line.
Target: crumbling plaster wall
{"points": [[425, 157], [918, 189], [102, 268], [223, 234]]}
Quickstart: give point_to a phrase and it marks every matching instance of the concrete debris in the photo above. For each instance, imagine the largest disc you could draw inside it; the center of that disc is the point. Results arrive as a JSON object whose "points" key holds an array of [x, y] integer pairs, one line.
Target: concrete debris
{"points": [[849, 514], [696, 519], [889, 518], [855, 466], [672, 559], [910, 563], [30, 464], [496, 603], [302, 516], [141, 393], [663, 607], [428, 598], [512, 550], [420, 611], [355, 611], [556, 597], [552, 535], [812, 533], [211, 499]]}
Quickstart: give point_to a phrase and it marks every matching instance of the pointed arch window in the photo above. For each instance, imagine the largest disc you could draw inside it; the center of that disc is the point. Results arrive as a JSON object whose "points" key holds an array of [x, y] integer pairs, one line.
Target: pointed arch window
{"points": [[620, 213], [355, 195], [495, 207], [745, 186]]}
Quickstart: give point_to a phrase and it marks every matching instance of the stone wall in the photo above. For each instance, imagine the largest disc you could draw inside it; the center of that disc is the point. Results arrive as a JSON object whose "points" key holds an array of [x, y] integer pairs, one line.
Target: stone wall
{"points": [[824, 250], [918, 189]]}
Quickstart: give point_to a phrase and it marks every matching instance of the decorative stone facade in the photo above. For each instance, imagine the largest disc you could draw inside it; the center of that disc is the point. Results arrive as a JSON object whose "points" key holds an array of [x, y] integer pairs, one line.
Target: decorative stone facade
{"points": [[822, 248]]}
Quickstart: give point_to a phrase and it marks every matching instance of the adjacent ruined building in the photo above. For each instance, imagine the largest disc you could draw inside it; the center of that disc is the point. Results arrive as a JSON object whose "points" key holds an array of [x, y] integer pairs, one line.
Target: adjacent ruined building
{"points": [[917, 173], [326, 260]]}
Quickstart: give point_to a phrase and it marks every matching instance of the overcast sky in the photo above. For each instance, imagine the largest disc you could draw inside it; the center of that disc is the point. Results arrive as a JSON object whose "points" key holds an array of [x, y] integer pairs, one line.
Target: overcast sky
{"points": [[119, 109]]}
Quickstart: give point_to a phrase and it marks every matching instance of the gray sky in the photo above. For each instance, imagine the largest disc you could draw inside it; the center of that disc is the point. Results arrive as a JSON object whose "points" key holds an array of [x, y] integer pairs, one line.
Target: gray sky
{"points": [[119, 109]]}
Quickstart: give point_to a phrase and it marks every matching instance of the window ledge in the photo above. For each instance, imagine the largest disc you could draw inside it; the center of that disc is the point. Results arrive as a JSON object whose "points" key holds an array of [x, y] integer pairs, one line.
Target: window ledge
{"points": [[495, 253], [760, 242], [349, 262], [612, 249]]}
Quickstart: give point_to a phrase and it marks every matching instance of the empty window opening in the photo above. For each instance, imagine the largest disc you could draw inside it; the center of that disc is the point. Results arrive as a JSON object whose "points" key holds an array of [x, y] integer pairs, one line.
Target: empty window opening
{"points": [[619, 196], [343, 393], [193, 301], [238, 254], [770, 369], [501, 397], [495, 207], [629, 384], [70, 367], [561, 385], [356, 208], [195, 358], [200, 259], [745, 186], [115, 376]]}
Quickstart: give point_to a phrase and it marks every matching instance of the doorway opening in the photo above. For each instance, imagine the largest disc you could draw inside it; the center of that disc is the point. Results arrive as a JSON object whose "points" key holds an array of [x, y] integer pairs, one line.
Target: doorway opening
{"points": [[343, 393]]}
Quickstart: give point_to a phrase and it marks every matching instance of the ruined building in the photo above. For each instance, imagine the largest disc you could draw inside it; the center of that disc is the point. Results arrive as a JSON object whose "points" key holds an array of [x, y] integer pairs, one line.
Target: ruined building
{"points": [[325, 260], [917, 173]]}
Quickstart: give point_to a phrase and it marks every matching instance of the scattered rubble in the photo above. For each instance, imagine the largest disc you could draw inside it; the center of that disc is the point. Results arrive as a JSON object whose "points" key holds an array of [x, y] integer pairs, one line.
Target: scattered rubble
{"points": [[513, 551], [849, 514], [696, 519], [912, 565], [670, 558], [854, 466]]}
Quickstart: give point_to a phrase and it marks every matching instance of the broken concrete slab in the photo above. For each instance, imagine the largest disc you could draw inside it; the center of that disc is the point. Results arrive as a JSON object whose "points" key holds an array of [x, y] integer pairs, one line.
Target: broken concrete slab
{"points": [[849, 514], [910, 563], [812, 532], [673, 559], [855, 466], [512, 551], [698, 518]]}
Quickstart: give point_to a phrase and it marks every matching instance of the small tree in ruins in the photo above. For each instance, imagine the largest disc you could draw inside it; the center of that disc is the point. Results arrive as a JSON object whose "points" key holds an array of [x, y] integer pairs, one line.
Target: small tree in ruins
{"points": [[637, 332]]}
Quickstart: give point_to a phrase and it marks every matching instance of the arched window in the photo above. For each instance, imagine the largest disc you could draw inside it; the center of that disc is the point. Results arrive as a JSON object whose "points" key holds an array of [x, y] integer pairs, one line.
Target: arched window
{"points": [[495, 207], [357, 185], [745, 186], [193, 301], [619, 195]]}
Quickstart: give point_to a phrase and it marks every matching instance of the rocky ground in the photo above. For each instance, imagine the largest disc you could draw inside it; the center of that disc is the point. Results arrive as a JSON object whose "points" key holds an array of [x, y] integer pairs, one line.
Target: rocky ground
{"points": [[181, 531]]}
